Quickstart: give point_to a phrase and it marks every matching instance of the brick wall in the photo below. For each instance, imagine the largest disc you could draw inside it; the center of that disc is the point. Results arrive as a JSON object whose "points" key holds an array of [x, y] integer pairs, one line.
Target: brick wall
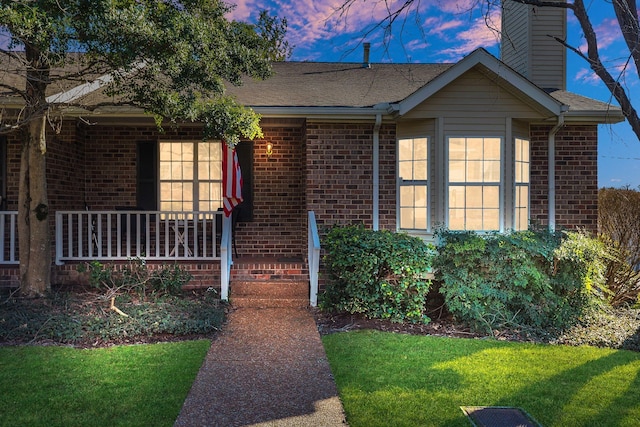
{"points": [[339, 173], [388, 165], [279, 216], [576, 176]]}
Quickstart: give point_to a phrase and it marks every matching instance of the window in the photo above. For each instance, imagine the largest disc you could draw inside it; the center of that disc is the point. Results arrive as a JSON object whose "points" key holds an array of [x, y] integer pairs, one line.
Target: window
{"points": [[190, 176], [522, 168], [413, 170], [474, 183]]}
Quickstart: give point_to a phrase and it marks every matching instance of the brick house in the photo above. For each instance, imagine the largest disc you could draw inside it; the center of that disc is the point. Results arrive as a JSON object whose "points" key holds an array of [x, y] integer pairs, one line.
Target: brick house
{"points": [[481, 144]]}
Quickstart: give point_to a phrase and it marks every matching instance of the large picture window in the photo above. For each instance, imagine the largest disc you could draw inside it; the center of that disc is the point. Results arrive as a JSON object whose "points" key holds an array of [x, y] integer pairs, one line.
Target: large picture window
{"points": [[413, 170], [522, 180], [474, 172], [190, 176]]}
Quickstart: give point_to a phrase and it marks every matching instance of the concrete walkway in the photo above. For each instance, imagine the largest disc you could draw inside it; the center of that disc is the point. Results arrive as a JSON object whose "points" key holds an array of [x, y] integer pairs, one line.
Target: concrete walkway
{"points": [[267, 368]]}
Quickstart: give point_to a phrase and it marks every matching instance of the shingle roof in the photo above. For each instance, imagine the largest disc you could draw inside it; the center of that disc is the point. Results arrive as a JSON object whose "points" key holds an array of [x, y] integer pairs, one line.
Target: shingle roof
{"points": [[321, 84], [582, 104], [324, 84]]}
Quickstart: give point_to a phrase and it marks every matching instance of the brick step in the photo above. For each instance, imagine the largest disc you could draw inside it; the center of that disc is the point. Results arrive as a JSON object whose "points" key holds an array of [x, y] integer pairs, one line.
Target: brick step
{"points": [[268, 269], [269, 294]]}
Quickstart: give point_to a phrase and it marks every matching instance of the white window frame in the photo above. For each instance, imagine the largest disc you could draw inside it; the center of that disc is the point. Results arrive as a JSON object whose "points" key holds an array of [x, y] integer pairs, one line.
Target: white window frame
{"points": [[400, 183], [194, 181], [500, 184], [520, 184]]}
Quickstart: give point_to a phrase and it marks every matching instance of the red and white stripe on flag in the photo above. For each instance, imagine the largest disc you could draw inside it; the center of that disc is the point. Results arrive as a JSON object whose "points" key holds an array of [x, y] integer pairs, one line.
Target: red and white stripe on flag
{"points": [[231, 179]]}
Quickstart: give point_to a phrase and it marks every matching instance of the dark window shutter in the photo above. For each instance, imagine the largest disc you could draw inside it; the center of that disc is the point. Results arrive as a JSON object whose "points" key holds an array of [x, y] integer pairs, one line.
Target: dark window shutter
{"points": [[245, 157], [147, 179]]}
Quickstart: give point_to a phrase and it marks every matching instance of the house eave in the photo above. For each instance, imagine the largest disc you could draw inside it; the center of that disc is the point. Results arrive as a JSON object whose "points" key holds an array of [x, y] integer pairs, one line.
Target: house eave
{"points": [[325, 113], [599, 117]]}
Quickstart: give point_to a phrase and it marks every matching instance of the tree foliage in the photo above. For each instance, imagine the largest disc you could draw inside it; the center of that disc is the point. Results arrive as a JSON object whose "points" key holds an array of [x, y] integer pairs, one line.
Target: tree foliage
{"points": [[171, 58]]}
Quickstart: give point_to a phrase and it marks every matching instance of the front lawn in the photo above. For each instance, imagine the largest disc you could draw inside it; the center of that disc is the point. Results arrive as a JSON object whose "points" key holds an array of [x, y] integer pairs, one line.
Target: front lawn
{"points": [[139, 385], [387, 379]]}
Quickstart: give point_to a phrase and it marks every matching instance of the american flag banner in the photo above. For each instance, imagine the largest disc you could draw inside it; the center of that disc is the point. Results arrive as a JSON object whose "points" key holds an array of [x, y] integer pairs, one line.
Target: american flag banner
{"points": [[231, 179]]}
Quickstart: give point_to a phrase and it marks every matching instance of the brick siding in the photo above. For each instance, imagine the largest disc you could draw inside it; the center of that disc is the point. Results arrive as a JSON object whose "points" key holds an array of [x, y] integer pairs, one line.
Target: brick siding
{"points": [[321, 166], [576, 177]]}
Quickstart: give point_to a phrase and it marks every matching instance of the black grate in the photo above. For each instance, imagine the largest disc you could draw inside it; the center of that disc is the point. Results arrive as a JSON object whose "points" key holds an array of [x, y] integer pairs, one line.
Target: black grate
{"points": [[496, 416]]}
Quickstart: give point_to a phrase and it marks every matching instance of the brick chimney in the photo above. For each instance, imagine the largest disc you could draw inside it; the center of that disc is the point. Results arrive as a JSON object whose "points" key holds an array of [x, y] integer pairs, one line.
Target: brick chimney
{"points": [[526, 46]]}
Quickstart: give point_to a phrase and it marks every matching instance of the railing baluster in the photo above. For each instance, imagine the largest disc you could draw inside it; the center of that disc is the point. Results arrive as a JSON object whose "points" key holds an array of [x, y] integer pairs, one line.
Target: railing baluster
{"points": [[89, 235]]}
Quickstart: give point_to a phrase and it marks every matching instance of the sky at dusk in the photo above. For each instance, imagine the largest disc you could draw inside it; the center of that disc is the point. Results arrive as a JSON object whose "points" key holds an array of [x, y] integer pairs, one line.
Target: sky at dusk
{"points": [[445, 31]]}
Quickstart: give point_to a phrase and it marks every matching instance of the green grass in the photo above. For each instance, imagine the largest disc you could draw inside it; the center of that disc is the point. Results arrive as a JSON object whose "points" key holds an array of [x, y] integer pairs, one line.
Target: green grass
{"points": [[139, 385], [387, 379]]}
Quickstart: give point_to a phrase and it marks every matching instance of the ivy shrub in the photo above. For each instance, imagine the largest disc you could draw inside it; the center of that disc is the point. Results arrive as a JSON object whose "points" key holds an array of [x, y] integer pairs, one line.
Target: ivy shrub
{"points": [[529, 280], [379, 274]]}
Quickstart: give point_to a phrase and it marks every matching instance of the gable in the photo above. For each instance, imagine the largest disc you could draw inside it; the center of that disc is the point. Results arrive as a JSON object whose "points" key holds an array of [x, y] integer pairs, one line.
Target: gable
{"points": [[475, 95]]}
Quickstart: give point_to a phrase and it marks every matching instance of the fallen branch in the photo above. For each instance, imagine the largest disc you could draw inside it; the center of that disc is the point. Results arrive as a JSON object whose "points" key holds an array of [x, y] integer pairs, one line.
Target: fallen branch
{"points": [[116, 309]]}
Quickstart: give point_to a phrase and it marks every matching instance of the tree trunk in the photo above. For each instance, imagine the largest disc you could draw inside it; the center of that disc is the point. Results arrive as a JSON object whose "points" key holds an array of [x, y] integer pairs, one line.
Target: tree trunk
{"points": [[33, 213]]}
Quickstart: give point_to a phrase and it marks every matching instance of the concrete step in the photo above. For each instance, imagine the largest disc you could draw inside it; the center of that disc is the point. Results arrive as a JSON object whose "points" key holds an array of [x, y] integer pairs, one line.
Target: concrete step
{"points": [[269, 294]]}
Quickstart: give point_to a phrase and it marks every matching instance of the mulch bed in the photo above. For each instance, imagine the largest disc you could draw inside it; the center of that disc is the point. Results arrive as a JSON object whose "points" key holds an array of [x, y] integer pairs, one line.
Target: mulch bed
{"points": [[329, 323]]}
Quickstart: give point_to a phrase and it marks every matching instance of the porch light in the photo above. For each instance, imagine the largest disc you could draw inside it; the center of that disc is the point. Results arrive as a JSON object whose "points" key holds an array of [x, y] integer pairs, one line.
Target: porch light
{"points": [[269, 149]]}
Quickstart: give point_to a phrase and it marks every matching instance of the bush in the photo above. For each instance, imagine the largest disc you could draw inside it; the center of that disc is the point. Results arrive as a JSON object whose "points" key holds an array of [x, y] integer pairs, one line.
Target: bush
{"points": [[379, 274], [136, 277], [527, 280], [618, 219]]}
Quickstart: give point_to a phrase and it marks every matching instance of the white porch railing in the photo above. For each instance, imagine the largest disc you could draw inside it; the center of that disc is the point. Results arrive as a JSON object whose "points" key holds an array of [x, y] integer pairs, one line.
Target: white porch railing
{"points": [[153, 235], [8, 238], [313, 259]]}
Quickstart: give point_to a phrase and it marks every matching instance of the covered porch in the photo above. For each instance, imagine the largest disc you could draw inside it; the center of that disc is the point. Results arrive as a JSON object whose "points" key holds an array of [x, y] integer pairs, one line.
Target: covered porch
{"points": [[202, 239]]}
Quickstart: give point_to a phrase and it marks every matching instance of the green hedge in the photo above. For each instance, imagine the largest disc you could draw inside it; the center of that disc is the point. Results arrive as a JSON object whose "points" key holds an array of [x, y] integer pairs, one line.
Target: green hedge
{"points": [[528, 280], [379, 274]]}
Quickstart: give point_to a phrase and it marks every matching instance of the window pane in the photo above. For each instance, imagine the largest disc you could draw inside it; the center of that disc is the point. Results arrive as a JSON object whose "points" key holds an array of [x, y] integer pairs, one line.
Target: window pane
{"points": [[474, 219], [475, 172], [420, 170], [420, 219], [456, 197], [457, 149], [491, 220], [420, 148], [420, 196], [187, 171], [491, 197], [456, 219], [405, 149], [475, 150], [406, 196], [405, 170], [522, 173], [491, 171], [406, 218], [492, 148], [456, 171], [474, 198], [522, 150]]}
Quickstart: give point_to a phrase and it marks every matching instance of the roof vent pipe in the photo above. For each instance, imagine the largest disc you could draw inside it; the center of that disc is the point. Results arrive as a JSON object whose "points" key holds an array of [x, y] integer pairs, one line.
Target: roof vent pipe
{"points": [[367, 49]]}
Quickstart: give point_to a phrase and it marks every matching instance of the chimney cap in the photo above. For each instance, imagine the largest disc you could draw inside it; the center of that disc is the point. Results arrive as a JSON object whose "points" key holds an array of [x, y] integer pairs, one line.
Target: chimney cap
{"points": [[367, 50]]}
